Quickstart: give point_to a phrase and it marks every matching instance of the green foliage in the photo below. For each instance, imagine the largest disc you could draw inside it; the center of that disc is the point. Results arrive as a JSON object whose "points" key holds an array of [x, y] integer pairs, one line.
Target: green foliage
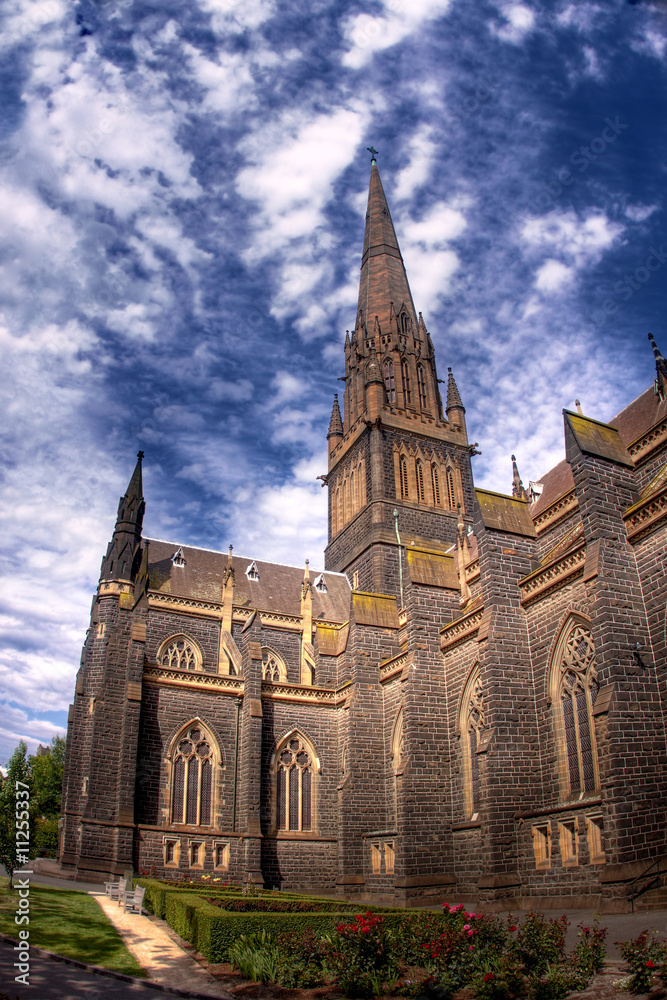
{"points": [[501, 979], [540, 942], [361, 956], [644, 955], [47, 834], [256, 956], [590, 950], [17, 813], [47, 779]]}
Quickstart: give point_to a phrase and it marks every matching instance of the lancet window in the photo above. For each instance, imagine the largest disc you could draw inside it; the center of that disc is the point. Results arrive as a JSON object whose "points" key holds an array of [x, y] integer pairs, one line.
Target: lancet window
{"points": [[193, 761], [472, 728], [435, 483], [421, 386], [405, 381], [389, 381], [180, 652], [419, 469], [295, 781], [451, 491], [574, 689], [403, 467]]}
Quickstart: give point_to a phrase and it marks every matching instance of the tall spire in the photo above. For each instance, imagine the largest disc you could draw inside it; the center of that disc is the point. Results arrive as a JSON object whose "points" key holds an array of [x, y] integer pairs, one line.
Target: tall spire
{"points": [[453, 395], [335, 435], [517, 486], [124, 552], [660, 369], [383, 279]]}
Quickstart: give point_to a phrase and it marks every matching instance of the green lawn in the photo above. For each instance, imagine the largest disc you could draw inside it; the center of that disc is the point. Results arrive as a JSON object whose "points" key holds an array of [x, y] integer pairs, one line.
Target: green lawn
{"points": [[68, 923]]}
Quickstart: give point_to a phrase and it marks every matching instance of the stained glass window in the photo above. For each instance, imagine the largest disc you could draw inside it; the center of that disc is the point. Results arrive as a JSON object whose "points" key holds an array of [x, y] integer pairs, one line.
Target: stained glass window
{"points": [[294, 798], [192, 778]]}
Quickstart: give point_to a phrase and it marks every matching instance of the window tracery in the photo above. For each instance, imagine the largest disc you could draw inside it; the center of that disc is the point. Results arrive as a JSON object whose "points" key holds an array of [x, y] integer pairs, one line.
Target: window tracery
{"points": [[294, 785], [574, 689], [403, 468], [180, 652], [451, 491], [421, 495], [273, 666], [192, 777], [435, 483]]}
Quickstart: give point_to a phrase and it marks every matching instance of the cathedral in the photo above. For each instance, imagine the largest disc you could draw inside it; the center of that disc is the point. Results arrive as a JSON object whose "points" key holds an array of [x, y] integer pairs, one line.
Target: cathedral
{"points": [[466, 703]]}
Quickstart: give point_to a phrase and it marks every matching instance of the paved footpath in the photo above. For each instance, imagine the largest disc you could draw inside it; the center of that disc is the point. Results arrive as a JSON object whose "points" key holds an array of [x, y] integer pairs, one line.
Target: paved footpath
{"points": [[54, 978]]}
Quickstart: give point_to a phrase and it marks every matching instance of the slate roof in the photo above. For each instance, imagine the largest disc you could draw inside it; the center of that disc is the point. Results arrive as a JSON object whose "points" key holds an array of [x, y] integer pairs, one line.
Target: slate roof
{"points": [[631, 423], [278, 588]]}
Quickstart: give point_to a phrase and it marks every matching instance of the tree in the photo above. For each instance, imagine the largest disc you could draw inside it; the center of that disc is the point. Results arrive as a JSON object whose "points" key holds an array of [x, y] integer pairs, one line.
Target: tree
{"points": [[47, 778], [17, 814]]}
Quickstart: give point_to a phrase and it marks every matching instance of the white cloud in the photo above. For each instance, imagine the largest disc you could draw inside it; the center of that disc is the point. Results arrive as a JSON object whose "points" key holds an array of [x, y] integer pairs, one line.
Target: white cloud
{"points": [[552, 275], [430, 262], [519, 22], [639, 213], [367, 34], [581, 241]]}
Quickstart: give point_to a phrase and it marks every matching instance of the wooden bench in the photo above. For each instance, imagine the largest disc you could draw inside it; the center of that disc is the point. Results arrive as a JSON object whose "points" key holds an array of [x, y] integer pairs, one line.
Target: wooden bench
{"points": [[115, 889], [133, 901]]}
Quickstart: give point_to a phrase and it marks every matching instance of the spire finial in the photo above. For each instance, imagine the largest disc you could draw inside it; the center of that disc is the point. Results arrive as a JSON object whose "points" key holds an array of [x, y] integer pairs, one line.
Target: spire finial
{"points": [[373, 152], [577, 403], [336, 422], [660, 369], [517, 486], [453, 395]]}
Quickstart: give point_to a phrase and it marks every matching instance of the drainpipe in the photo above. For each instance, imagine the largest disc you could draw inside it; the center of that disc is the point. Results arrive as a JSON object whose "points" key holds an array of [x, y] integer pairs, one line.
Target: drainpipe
{"points": [[236, 762], [400, 556]]}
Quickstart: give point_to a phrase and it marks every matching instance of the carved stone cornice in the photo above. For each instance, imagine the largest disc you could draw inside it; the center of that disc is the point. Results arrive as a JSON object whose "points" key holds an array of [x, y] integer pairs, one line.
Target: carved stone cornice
{"points": [[186, 605], [472, 571], [642, 446], [556, 511], [393, 666], [298, 693], [643, 517], [461, 629], [198, 681], [554, 575]]}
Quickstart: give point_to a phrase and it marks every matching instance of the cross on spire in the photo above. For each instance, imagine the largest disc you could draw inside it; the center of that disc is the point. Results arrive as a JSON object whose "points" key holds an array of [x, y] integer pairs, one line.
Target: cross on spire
{"points": [[374, 152]]}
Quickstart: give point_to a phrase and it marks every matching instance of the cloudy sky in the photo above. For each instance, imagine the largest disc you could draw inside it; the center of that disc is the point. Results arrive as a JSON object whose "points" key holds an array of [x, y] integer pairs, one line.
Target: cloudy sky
{"points": [[182, 197]]}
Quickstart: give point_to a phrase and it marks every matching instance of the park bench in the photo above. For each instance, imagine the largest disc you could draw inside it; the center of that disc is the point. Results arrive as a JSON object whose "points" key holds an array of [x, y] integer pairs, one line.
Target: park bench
{"points": [[115, 889], [134, 901]]}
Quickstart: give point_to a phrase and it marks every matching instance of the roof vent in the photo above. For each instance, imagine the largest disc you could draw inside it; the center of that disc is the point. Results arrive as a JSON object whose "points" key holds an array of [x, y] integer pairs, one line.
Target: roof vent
{"points": [[534, 491], [178, 559], [252, 572], [320, 584]]}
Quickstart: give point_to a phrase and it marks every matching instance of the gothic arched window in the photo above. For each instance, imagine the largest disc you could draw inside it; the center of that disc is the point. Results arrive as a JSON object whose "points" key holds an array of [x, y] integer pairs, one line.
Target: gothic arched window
{"points": [[353, 494], [339, 504], [419, 469], [435, 483], [273, 666], [573, 690], [421, 386], [361, 479], [180, 652], [295, 785], [389, 382], [403, 467], [405, 380], [193, 761], [451, 492], [471, 724]]}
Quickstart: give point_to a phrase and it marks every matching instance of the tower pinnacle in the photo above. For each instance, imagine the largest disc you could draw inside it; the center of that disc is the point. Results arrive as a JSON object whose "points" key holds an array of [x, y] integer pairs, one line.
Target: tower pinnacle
{"points": [[123, 556], [660, 369], [517, 486]]}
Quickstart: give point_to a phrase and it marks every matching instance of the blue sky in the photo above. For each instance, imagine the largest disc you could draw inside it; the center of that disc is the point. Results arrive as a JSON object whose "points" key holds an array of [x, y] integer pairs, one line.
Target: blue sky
{"points": [[182, 190]]}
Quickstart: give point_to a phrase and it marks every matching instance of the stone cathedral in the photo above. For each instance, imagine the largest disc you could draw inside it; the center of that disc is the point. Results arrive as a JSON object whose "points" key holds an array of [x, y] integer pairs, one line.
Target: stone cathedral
{"points": [[466, 703]]}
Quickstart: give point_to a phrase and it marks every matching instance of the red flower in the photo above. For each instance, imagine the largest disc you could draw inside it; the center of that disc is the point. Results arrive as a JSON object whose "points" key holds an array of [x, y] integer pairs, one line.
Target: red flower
{"points": [[488, 977], [512, 928], [585, 929], [649, 964]]}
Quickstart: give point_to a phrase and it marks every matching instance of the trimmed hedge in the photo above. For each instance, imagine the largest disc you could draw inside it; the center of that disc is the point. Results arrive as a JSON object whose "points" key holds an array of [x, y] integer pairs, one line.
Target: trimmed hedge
{"points": [[212, 930]]}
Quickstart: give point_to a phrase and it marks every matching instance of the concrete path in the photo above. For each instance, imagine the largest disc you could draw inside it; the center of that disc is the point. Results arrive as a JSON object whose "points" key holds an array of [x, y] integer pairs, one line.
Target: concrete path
{"points": [[156, 951], [54, 978]]}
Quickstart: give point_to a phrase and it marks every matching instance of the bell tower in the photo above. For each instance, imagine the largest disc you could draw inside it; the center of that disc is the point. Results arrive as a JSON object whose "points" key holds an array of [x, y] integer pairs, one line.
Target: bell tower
{"points": [[393, 447]]}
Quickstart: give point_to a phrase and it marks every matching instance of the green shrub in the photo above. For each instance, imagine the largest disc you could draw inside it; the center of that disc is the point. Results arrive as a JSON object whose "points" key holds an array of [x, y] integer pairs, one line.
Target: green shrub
{"points": [[361, 956], [256, 956], [540, 942], [644, 955], [590, 951]]}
